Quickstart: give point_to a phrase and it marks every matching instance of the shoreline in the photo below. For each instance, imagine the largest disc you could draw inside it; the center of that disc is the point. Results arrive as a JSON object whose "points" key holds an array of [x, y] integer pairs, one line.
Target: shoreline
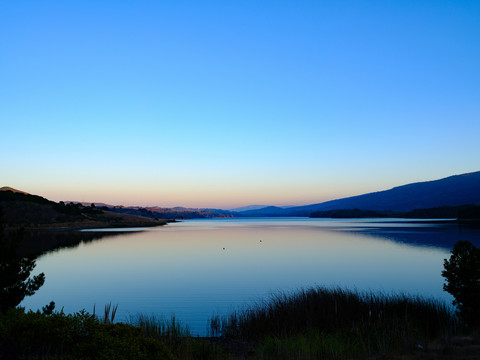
{"points": [[92, 225]]}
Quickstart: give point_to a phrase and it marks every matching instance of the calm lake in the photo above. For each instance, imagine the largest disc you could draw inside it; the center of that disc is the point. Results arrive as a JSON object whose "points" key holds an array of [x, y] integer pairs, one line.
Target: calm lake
{"points": [[198, 268]]}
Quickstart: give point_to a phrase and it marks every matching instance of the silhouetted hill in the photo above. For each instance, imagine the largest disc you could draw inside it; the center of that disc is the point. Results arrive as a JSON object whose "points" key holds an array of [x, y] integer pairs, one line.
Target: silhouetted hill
{"points": [[257, 207], [172, 213], [467, 212], [8, 188], [451, 191], [33, 211], [351, 213], [86, 203], [249, 207], [272, 211]]}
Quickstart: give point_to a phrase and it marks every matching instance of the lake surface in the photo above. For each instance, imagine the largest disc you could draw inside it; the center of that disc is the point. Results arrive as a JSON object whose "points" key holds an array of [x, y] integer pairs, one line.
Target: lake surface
{"points": [[198, 268]]}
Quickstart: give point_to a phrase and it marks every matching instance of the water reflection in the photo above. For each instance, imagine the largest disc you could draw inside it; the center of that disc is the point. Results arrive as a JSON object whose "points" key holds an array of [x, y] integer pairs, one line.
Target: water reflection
{"points": [[42, 241], [200, 267]]}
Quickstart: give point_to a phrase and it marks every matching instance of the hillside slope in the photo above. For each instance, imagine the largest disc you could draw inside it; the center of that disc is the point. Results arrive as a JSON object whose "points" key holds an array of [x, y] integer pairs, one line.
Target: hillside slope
{"points": [[32, 211], [451, 191]]}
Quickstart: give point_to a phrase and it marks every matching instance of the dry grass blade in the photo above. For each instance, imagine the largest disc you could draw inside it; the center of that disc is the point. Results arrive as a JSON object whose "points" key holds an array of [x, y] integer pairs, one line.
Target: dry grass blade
{"points": [[109, 313], [114, 312]]}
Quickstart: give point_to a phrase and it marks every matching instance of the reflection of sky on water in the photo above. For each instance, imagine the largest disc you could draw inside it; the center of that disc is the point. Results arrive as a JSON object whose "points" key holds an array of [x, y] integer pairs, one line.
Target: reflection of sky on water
{"points": [[183, 268]]}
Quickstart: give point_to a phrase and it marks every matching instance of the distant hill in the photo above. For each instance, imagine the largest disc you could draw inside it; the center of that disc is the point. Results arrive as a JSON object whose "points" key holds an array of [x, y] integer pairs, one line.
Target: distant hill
{"points": [[270, 211], [248, 208], [451, 191], [258, 207], [8, 188], [157, 212], [86, 203], [33, 211], [172, 213], [464, 212]]}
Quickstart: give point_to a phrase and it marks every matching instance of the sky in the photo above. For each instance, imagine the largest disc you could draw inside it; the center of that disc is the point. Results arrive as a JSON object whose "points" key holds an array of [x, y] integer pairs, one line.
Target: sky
{"points": [[231, 103]]}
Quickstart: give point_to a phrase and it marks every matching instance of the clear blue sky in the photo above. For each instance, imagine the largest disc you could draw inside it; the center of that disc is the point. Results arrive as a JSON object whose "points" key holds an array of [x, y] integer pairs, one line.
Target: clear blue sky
{"points": [[230, 103]]}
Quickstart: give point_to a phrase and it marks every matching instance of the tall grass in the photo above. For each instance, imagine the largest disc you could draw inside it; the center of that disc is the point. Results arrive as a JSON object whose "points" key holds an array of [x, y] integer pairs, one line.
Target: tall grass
{"points": [[177, 338], [154, 326], [171, 332], [109, 313], [336, 323]]}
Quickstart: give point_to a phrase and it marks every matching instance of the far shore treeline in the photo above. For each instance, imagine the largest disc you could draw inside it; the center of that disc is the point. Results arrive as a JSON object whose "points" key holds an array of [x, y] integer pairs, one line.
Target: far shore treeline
{"points": [[463, 213]]}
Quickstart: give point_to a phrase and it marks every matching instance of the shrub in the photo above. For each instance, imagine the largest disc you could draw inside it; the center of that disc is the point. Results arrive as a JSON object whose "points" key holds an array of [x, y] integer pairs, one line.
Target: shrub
{"points": [[73, 336], [462, 275], [15, 281]]}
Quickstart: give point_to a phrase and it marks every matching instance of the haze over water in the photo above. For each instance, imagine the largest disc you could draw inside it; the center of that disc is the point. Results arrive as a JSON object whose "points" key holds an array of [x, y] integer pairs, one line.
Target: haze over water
{"points": [[198, 268]]}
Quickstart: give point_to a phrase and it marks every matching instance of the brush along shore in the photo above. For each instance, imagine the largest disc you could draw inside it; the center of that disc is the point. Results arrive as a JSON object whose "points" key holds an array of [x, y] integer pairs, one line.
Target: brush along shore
{"points": [[316, 323]]}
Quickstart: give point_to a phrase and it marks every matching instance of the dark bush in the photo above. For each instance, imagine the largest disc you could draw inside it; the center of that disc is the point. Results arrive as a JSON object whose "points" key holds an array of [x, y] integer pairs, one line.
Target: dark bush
{"points": [[15, 281], [462, 275], [73, 336]]}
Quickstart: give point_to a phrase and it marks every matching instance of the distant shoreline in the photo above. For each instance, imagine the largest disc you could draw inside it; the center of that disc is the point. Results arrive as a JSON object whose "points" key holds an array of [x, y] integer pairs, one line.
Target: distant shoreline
{"points": [[106, 226], [75, 227]]}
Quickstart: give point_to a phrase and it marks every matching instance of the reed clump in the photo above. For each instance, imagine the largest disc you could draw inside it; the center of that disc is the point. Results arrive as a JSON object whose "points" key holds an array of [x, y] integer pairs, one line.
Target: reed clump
{"points": [[177, 338], [161, 327], [109, 313], [337, 323]]}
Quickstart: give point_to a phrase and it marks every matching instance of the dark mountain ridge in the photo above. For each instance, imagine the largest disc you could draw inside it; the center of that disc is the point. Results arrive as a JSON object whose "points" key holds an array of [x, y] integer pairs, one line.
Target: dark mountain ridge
{"points": [[450, 191], [271, 211]]}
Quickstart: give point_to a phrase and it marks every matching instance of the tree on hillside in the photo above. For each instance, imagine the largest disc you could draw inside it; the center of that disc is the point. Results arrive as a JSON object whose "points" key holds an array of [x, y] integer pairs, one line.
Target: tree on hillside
{"points": [[15, 281], [462, 274]]}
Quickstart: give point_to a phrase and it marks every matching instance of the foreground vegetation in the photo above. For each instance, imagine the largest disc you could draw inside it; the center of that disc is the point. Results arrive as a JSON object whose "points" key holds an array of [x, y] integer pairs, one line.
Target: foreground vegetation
{"points": [[337, 324], [311, 324], [35, 335]]}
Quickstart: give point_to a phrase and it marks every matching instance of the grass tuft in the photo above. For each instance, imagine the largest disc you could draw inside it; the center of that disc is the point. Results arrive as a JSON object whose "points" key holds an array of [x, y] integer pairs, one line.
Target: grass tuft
{"points": [[160, 327], [109, 313]]}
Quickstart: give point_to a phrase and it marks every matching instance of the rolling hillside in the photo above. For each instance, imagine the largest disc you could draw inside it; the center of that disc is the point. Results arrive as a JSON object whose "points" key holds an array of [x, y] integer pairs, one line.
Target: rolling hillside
{"points": [[33, 211], [451, 191]]}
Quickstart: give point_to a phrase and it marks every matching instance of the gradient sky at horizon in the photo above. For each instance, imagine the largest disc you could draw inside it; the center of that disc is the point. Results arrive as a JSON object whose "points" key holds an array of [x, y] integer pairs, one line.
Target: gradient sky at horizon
{"points": [[231, 103]]}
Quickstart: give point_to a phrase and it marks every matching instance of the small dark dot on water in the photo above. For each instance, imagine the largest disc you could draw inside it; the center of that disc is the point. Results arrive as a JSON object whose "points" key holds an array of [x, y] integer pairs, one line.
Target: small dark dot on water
{"points": [[223, 248]]}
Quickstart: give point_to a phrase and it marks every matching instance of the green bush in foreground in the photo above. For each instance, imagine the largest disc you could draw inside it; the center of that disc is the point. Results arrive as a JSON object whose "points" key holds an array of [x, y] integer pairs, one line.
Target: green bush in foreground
{"points": [[33, 335], [55, 335]]}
